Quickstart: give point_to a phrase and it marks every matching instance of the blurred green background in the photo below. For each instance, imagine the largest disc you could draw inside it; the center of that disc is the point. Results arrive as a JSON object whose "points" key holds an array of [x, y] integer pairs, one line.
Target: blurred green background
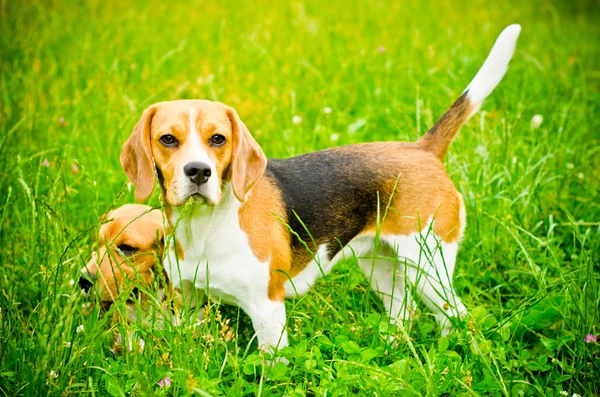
{"points": [[75, 76]]}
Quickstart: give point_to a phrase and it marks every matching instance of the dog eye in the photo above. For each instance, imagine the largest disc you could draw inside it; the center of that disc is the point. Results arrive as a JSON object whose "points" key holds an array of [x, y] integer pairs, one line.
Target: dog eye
{"points": [[217, 140], [169, 140], [127, 250]]}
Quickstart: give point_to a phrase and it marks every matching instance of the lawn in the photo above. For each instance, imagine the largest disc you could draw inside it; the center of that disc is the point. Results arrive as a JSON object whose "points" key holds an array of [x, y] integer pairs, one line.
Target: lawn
{"points": [[75, 76]]}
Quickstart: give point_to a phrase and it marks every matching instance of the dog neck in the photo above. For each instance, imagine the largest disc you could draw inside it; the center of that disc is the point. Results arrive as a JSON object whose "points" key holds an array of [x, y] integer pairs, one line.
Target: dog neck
{"points": [[197, 226], [194, 209]]}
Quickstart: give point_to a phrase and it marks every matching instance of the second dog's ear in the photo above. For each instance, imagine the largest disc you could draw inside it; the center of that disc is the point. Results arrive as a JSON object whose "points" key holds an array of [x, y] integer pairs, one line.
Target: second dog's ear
{"points": [[136, 156], [248, 162]]}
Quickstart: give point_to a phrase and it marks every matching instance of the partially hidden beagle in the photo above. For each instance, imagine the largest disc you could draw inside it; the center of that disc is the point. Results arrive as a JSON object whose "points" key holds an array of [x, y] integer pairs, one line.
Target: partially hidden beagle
{"points": [[127, 260], [252, 231]]}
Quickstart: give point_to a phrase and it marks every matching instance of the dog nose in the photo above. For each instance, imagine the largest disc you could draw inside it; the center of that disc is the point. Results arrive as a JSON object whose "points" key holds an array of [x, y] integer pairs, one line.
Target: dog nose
{"points": [[84, 283], [197, 172]]}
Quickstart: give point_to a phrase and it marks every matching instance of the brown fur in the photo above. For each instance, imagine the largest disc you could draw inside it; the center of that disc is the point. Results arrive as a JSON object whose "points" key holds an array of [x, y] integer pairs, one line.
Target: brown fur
{"points": [[267, 234], [247, 161], [423, 192], [242, 162], [135, 225], [439, 137], [136, 156]]}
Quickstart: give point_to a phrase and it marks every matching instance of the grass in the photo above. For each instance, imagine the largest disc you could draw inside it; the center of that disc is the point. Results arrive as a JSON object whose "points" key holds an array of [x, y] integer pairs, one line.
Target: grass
{"points": [[75, 76]]}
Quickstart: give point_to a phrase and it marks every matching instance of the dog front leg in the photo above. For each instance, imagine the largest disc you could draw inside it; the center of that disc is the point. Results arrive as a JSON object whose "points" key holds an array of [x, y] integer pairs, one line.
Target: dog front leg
{"points": [[268, 318]]}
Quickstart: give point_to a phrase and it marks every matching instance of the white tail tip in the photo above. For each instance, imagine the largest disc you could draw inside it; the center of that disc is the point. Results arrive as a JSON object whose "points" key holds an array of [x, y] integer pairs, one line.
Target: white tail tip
{"points": [[494, 67]]}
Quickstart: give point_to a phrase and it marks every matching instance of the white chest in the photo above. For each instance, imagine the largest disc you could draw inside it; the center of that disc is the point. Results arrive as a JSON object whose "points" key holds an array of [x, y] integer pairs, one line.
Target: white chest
{"points": [[217, 256]]}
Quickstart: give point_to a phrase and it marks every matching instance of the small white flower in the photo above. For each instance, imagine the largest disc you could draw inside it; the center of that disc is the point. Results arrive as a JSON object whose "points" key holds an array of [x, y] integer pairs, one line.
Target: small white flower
{"points": [[536, 121], [296, 120], [71, 282], [51, 376], [334, 137], [46, 163], [327, 110], [570, 166], [580, 175], [67, 344], [576, 395], [563, 393], [80, 329]]}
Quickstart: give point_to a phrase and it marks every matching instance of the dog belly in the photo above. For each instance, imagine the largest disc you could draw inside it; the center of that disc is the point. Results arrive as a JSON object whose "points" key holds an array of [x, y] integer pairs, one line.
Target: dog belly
{"points": [[321, 264]]}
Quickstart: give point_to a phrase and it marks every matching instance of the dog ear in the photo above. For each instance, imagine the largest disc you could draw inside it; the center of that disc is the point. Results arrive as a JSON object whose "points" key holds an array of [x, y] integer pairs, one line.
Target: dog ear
{"points": [[158, 224], [136, 156], [248, 161]]}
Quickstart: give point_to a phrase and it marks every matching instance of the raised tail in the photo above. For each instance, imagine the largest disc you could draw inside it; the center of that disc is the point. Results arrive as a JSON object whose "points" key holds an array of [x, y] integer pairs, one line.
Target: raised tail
{"points": [[439, 137]]}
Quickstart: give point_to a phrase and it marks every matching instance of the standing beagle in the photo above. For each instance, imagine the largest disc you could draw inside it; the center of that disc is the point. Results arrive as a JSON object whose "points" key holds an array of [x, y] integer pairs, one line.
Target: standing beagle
{"points": [[253, 231]]}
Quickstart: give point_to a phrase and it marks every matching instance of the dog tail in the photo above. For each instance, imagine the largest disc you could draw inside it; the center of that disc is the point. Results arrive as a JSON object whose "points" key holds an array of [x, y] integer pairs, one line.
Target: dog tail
{"points": [[439, 137]]}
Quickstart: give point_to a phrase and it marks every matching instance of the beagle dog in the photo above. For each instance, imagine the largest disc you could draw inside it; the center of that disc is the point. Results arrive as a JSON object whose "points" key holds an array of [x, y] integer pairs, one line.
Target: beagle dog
{"points": [[252, 231], [130, 243]]}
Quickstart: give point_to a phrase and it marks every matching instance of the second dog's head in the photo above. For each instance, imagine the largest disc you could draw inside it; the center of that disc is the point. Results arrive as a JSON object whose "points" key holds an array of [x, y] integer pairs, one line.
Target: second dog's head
{"points": [[130, 242]]}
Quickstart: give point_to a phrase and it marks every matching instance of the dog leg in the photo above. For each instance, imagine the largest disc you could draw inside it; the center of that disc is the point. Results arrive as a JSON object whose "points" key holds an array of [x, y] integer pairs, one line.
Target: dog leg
{"points": [[388, 280], [268, 318], [429, 266]]}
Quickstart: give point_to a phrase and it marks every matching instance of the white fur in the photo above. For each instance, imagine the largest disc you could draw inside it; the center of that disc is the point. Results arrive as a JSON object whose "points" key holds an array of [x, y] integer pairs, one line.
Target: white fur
{"points": [[195, 151], [428, 264], [386, 276], [218, 259], [494, 67], [420, 261], [321, 265]]}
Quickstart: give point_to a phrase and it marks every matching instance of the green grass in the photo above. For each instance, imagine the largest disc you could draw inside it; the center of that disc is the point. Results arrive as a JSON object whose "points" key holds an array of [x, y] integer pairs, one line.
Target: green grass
{"points": [[76, 75]]}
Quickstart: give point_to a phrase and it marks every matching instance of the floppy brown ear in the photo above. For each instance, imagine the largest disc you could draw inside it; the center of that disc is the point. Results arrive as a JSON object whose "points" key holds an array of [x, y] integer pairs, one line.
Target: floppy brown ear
{"points": [[136, 157], [248, 162]]}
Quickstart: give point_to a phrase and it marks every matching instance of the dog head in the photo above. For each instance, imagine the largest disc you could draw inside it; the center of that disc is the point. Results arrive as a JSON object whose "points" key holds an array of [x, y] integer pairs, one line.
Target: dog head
{"points": [[198, 147], [130, 241]]}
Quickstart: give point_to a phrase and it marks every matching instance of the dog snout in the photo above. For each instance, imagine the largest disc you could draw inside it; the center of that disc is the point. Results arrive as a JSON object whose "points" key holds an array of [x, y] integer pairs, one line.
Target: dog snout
{"points": [[197, 172], [85, 282]]}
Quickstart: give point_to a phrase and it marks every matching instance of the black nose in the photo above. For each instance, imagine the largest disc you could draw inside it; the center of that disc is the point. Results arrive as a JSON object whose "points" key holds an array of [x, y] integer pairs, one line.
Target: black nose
{"points": [[197, 172], [85, 283]]}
